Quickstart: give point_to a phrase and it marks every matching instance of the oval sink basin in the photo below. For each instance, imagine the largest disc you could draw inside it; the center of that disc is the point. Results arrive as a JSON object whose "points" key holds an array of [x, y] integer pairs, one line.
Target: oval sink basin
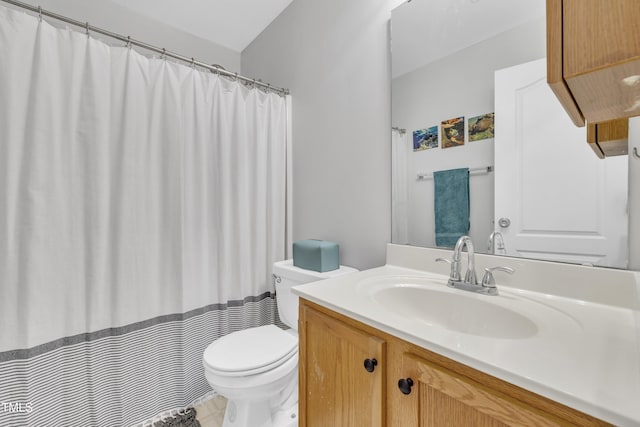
{"points": [[433, 303]]}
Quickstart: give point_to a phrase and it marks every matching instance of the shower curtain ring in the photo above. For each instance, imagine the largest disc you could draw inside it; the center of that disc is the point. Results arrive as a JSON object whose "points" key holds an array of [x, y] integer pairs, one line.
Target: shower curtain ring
{"points": [[86, 27], [40, 13], [235, 77], [164, 54], [129, 42], [635, 152], [193, 63]]}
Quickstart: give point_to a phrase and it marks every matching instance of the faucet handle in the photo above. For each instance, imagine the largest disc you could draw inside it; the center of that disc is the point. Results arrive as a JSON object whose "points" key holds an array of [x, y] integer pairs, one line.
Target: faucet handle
{"points": [[488, 281], [454, 275]]}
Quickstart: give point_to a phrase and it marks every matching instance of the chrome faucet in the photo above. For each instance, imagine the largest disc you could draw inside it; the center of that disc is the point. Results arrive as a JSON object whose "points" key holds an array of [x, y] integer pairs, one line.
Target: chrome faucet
{"points": [[470, 276], [496, 241], [470, 282]]}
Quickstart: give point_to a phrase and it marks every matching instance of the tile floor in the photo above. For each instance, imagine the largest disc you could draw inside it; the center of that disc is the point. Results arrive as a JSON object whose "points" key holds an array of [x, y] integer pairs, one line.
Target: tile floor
{"points": [[210, 413]]}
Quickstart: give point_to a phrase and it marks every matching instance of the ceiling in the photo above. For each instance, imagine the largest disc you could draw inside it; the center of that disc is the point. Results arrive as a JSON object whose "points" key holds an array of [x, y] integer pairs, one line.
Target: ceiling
{"points": [[233, 24], [423, 31]]}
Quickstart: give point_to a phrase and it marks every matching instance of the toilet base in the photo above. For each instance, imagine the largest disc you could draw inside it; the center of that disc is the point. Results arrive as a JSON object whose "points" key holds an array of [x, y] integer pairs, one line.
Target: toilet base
{"points": [[286, 417], [244, 413]]}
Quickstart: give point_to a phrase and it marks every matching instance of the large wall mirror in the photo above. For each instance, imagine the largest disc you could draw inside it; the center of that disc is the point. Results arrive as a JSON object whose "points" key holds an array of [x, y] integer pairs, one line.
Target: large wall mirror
{"points": [[469, 91]]}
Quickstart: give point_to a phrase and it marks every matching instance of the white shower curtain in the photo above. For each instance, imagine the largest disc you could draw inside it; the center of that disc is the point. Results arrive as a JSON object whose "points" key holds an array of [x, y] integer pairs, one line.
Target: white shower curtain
{"points": [[399, 221], [142, 203]]}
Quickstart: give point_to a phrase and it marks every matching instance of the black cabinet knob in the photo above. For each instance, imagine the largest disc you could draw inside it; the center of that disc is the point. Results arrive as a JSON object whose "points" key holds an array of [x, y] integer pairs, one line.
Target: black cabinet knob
{"points": [[405, 385], [370, 364]]}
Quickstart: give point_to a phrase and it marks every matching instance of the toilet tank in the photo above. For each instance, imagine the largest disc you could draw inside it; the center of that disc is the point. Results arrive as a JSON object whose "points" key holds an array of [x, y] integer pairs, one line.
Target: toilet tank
{"points": [[285, 276]]}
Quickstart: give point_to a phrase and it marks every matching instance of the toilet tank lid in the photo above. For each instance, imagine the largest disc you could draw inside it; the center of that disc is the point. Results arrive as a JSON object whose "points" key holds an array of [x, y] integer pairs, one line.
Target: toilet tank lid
{"points": [[287, 269], [250, 349]]}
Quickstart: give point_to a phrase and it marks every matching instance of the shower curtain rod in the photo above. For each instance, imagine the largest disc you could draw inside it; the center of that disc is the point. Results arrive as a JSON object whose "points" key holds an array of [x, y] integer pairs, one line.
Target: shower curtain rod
{"points": [[129, 41]]}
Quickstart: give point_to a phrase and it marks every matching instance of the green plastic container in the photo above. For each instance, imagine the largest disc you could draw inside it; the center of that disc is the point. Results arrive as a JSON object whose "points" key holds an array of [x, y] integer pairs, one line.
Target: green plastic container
{"points": [[316, 255]]}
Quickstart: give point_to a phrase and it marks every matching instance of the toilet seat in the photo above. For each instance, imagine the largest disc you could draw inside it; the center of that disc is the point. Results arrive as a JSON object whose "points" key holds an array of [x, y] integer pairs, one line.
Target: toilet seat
{"points": [[251, 351]]}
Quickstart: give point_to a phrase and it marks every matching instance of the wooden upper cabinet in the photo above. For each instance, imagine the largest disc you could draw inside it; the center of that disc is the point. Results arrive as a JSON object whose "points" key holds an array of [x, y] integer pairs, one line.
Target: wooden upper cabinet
{"points": [[609, 138], [593, 57]]}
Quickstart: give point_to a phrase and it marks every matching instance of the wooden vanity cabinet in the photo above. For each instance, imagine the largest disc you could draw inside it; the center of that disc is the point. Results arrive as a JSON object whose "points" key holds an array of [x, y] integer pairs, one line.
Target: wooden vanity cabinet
{"points": [[341, 372], [593, 58], [440, 397], [336, 390]]}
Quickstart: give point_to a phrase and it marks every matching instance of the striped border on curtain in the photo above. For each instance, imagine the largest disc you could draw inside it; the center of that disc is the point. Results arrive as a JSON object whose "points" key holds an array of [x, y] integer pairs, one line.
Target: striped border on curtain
{"points": [[104, 378]]}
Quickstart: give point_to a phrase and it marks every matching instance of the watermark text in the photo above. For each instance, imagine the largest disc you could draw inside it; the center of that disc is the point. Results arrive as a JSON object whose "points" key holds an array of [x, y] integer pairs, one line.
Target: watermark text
{"points": [[16, 407]]}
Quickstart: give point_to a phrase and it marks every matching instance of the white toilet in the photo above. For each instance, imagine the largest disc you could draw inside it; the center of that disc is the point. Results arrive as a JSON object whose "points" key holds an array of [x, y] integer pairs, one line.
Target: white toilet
{"points": [[256, 369]]}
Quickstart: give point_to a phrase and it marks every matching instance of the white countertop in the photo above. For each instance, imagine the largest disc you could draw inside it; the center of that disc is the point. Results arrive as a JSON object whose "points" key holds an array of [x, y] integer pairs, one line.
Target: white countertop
{"points": [[584, 354]]}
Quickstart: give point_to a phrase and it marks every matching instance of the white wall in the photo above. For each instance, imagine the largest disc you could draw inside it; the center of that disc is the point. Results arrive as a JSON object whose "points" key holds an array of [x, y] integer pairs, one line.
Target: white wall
{"points": [[634, 194], [461, 84], [118, 19], [334, 56]]}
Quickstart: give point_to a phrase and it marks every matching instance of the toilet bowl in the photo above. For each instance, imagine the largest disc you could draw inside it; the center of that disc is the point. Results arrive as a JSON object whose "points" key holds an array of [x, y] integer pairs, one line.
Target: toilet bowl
{"points": [[256, 369]]}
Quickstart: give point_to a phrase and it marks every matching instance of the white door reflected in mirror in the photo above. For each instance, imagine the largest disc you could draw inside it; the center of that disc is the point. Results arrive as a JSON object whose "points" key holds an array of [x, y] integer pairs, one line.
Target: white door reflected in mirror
{"points": [[564, 203]]}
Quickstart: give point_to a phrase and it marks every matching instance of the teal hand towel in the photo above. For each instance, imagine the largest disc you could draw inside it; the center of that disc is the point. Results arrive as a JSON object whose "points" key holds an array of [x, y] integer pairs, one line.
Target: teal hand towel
{"points": [[451, 204]]}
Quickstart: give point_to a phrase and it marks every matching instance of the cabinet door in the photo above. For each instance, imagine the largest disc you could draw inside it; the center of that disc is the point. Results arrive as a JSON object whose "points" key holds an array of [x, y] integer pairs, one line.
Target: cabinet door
{"points": [[594, 58], [336, 390], [440, 397]]}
